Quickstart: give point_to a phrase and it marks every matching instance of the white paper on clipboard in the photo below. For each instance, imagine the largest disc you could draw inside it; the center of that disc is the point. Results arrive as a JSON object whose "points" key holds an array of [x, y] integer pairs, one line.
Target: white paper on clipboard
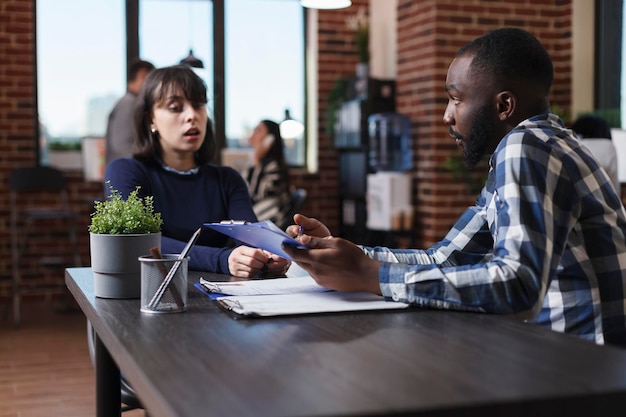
{"points": [[263, 235]]}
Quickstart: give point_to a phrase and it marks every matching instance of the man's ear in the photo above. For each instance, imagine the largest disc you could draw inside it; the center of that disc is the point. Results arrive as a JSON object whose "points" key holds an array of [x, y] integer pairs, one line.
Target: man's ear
{"points": [[506, 102]]}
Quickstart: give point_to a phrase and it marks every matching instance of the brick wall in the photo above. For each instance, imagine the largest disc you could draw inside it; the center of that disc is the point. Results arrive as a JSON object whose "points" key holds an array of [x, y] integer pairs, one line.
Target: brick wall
{"points": [[17, 133], [429, 33], [17, 104]]}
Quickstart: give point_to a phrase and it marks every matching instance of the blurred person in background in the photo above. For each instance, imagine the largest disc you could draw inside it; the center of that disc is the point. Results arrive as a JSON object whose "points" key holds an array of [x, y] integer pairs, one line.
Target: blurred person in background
{"points": [[268, 177], [595, 133], [120, 134]]}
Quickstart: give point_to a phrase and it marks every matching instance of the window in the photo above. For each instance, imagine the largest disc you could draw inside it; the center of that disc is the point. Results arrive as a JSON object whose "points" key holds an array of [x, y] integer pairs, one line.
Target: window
{"points": [[623, 69], [264, 44], [169, 29], [81, 61], [608, 65], [80, 68]]}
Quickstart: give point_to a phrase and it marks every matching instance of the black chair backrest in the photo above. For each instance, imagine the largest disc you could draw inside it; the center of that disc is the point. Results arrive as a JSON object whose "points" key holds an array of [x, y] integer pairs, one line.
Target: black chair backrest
{"points": [[33, 178], [298, 197]]}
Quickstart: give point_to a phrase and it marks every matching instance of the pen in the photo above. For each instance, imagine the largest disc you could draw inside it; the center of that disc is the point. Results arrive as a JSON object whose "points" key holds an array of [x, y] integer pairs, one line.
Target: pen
{"points": [[156, 254], [300, 230], [156, 299]]}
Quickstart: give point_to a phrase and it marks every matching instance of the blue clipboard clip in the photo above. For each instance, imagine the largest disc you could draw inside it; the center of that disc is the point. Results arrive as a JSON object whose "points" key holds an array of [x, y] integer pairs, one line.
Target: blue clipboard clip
{"points": [[263, 235]]}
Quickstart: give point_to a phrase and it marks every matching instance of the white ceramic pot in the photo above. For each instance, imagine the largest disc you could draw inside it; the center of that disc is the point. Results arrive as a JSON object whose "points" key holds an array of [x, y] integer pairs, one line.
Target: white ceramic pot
{"points": [[115, 265], [66, 160]]}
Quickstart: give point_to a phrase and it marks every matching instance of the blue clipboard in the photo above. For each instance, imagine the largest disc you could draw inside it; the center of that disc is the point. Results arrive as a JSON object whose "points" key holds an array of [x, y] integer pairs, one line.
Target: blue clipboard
{"points": [[264, 235]]}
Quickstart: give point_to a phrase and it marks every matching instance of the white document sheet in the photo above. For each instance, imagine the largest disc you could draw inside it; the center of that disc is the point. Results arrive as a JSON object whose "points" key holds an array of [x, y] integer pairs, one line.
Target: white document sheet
{"points": [[271, 286], [285, 296]]}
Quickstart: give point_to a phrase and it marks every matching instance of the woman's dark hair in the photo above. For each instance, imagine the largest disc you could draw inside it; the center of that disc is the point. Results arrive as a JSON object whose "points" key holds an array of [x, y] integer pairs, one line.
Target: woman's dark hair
{"points": [[592, 126], [156, 87], [277, 150]]}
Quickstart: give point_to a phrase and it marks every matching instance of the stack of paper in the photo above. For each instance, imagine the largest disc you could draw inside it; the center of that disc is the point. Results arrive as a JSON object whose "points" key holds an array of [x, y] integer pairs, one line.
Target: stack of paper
{"points": [[282, 296]]}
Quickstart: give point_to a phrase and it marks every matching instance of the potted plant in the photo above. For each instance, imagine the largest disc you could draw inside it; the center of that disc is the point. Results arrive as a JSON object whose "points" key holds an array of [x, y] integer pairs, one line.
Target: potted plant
{"points": [[119, 233], [65, 155]]}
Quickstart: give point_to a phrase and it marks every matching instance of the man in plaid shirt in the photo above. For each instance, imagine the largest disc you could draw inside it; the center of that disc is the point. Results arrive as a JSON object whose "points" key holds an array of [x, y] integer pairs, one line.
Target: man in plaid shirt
{"points": [[545, 239]]}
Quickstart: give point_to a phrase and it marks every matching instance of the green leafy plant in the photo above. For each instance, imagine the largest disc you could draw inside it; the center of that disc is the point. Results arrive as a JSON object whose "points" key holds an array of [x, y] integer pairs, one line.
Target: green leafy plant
{"points": [[135, 215], [359, 24], [336, 96], [564, 113], [474, 179], [64, 146]]}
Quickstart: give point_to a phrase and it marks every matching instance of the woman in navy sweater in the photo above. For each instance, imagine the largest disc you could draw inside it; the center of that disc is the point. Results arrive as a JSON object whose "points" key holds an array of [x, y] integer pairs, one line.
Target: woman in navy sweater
{"points": [[175, 146]]}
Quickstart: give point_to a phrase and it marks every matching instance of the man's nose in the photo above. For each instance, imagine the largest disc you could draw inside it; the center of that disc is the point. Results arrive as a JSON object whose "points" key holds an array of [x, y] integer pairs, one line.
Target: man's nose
{"points": [[448, 118]]}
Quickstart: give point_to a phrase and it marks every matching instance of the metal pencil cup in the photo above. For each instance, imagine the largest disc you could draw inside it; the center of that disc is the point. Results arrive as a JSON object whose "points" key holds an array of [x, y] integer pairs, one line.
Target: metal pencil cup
{"points": [[163, 284]]}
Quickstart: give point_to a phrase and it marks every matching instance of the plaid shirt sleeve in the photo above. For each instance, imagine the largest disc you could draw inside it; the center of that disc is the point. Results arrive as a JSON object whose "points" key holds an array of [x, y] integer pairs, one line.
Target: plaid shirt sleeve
{"points": [[545, 240]]}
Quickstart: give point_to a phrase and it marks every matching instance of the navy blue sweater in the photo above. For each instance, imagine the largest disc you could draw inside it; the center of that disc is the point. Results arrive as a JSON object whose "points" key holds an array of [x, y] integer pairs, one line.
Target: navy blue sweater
{"points": [[186, 201]]}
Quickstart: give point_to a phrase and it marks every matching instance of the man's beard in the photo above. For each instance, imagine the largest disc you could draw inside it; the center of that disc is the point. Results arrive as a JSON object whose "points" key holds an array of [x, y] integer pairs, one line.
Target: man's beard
{"points": [[479, 137]]}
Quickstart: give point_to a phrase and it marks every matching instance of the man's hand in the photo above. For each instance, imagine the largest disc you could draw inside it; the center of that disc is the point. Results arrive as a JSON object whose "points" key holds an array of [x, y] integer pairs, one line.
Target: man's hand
{"points": [[308, 225], [334, 262]]}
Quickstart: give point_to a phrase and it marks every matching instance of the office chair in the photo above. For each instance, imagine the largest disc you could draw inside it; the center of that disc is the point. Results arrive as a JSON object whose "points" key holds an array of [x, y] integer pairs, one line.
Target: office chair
{"points": [[298, 198], [38, 197]]}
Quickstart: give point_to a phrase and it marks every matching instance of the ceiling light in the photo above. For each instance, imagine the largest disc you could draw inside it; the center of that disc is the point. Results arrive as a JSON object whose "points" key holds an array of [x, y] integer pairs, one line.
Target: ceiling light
{"points": [[192, 61], [326, 4]]}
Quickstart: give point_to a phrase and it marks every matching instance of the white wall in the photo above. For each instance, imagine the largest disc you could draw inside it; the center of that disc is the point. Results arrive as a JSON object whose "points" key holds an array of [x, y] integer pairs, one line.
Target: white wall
{"points": [[383, 39], [619, 140], [582, 56]]}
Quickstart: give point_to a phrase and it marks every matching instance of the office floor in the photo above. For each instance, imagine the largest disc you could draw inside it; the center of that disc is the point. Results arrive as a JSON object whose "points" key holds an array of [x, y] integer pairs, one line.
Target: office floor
{"points": [[45, 369]]}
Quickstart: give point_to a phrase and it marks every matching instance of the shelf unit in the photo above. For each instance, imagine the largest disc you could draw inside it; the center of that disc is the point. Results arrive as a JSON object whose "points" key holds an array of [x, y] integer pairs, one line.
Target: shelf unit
{"points": [[351, 139]]}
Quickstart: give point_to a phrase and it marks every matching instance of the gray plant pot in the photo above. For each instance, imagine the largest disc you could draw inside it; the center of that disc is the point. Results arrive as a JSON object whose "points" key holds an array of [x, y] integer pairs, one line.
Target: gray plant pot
{"points": [[115, 265]]}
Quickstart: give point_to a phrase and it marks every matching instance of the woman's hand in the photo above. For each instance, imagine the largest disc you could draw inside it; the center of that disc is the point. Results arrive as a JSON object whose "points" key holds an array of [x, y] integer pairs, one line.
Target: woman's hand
{"points": [[247, 262]]}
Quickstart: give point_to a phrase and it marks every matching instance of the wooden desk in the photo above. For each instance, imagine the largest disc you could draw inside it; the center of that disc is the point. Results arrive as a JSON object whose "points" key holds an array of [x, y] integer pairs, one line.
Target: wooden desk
{"points": [[419, 362]]}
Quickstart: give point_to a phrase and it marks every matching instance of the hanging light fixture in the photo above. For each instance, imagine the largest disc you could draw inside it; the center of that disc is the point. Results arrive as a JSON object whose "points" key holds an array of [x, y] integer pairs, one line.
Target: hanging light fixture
{"points": [[190, 59], [326, 4], [290, 128]]}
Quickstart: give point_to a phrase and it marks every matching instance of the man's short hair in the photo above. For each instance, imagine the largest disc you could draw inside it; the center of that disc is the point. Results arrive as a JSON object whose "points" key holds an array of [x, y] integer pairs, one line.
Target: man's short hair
{"points": [[511, 55], [136, 66]]}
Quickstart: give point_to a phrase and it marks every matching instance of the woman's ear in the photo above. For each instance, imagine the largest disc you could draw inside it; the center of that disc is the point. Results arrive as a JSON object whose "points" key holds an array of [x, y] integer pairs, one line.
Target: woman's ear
{"points": [[149, 121]]}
